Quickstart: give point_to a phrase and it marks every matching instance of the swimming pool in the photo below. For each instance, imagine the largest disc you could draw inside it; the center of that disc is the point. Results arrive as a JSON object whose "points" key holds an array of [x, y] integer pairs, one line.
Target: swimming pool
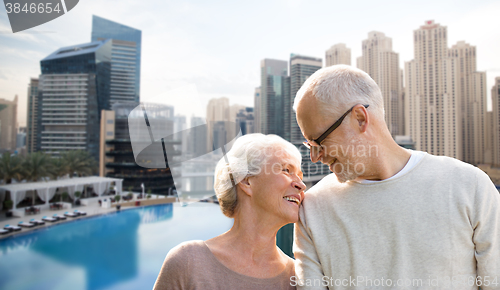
{"points": [[122, 250]]}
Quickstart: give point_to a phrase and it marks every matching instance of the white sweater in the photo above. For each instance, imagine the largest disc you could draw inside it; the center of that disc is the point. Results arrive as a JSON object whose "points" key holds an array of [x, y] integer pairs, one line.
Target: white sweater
{"points": [[439, 223]]}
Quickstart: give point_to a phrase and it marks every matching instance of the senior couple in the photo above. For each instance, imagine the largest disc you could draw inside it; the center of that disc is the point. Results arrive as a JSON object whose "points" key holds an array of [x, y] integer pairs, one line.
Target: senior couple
{"points": [[398, 218]]}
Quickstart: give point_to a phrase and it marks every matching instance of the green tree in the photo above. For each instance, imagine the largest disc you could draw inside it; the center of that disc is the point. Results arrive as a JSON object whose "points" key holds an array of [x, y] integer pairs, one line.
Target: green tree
{"points": [[79, 162], [37, 165], [11, 168], [58, 168]]}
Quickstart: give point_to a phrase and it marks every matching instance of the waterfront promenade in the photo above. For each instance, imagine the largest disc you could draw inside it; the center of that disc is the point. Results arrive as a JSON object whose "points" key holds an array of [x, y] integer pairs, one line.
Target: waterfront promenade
{"points": [[91, 210]]}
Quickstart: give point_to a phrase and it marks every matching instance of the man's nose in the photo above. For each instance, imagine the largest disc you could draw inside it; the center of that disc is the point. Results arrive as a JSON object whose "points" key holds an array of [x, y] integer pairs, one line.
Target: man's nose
{"points": [[316, 153]]}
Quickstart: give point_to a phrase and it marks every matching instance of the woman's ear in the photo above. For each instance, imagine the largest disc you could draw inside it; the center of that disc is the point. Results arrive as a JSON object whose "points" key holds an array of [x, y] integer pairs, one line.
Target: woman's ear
{"points": [[246, 186]]}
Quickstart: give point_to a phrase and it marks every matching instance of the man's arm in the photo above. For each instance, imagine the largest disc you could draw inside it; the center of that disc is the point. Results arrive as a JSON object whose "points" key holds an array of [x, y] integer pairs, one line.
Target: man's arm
{"points": [[486, 223], [308, 269]]}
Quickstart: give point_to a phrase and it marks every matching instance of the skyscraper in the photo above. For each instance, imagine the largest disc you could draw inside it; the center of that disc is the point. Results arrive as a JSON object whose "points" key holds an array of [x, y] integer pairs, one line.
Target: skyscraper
{"points": [[338, 54], [73, 89], [8, 124], [32, 110], [126, 58], [495, 97], [445, 97], [217, 116], [382, 64], [471, 88], [432, 105], [272, 95], [256, 104], [301, 68]]}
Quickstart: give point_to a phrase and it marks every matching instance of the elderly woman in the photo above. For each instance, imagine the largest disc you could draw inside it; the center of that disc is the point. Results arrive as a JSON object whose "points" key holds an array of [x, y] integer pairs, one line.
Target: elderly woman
{"points": [[258, 184]]}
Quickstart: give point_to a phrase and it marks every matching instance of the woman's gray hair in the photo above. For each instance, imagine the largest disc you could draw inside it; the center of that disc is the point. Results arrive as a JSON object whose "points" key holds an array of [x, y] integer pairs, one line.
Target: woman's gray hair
{"points": [[337, 88], [247, 157]]}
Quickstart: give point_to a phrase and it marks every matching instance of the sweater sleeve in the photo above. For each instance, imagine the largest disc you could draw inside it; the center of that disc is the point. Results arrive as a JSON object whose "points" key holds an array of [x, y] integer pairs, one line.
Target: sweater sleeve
{"points": [[173, 273], [486, 224], [307, 265]]}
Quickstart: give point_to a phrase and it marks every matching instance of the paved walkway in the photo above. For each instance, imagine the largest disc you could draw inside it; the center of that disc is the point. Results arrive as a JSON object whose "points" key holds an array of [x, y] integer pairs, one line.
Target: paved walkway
{"points": [[91, 210]]}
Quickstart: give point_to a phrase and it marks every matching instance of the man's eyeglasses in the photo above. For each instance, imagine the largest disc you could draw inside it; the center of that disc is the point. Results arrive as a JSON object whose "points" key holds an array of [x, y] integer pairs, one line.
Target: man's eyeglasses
{"points": [[337, 123]]}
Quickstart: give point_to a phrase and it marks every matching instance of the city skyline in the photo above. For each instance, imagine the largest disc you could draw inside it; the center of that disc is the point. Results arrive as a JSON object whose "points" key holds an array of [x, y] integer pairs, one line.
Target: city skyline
{"points": [[194, 45]]}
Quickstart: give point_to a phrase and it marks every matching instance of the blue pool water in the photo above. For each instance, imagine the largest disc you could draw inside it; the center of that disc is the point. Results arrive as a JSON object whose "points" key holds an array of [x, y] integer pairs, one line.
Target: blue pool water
{"points": [[123, 250]]}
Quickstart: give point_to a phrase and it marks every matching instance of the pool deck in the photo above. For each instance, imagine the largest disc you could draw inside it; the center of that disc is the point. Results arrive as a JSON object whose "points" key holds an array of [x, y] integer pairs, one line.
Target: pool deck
{"points": [[91, 210]]}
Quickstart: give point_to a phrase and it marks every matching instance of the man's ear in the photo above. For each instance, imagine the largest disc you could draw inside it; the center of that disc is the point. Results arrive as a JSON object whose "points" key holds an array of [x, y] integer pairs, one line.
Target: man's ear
{"points": [[245, 186], [361, 117]]}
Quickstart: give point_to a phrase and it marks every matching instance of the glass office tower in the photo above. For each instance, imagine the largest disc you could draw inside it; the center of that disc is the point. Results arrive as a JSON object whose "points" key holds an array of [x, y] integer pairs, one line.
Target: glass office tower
{"points": [[126, 58], [73, 88]]}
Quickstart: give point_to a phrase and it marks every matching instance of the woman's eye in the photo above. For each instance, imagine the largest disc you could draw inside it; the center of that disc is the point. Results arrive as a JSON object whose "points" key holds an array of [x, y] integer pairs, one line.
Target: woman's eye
{"points": [[286, 170]]}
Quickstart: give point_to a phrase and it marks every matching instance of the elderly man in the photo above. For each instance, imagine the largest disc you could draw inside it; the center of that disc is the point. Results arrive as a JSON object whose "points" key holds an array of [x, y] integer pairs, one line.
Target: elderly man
{"points": [[389, 217]]}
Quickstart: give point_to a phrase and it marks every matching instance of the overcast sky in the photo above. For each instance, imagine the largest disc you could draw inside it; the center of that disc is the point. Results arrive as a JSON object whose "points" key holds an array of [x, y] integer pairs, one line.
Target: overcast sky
{"points": [[196, 50]]}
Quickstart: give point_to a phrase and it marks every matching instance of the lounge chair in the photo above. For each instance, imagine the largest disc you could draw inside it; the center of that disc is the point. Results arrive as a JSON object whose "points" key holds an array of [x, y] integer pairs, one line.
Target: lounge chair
{"points": [[4, 232], [59, 217], [25, 224], [71, 214], [80, 212], [49, 219], [37, 222], [12, 228]]}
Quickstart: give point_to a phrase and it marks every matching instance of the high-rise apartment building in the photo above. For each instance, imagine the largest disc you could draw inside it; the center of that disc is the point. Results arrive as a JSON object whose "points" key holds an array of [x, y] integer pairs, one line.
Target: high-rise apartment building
{"points": [[32, 116], [125, 58], [301, 68], [223, 122], [495, 98], [8, 124], [256, 104], [272, 95], [73, 89], [338, 54], [445, 99], [488, 150], [217, 116], [382, 64], [432, 105], [471, 87]]}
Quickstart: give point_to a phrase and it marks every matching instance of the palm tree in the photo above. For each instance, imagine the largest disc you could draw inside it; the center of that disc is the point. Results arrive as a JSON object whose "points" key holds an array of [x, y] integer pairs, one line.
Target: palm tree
{"points": [[10, 167], [37, 165], [79, 162], [58, 168]]}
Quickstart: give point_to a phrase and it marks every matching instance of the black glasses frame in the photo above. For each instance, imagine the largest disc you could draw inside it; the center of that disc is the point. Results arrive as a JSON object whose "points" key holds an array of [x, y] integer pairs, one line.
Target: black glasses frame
{"points": [[330, 130]]}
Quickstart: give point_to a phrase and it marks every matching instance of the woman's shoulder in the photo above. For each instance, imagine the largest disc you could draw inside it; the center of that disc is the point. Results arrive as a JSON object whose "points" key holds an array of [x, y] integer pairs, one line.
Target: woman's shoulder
{"points": [[180, 262], [187, 250]]}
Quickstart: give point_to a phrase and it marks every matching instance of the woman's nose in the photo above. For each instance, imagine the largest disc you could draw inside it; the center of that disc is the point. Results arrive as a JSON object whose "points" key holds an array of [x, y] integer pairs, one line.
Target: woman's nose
{"points": [[299, 185]]}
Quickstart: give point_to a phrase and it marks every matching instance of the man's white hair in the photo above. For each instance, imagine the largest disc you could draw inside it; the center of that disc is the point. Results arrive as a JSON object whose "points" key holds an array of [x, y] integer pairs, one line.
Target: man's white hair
{"points": [[337, 88]]}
